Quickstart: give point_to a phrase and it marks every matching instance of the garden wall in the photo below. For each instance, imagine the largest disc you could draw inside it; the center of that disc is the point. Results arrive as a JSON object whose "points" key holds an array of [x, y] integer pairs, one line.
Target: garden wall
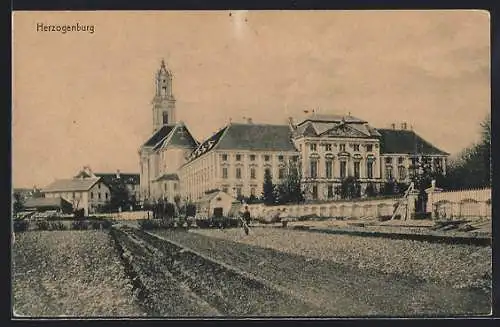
{"points": [[354, 209]]}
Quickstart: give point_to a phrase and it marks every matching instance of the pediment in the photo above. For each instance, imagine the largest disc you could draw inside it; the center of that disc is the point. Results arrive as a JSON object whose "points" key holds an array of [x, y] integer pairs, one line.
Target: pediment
{"points": [[343, 131]]}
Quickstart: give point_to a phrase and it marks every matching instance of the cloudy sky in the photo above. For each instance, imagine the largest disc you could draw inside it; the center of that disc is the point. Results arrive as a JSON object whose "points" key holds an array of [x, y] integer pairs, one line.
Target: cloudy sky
{"points": [[85, 99]]}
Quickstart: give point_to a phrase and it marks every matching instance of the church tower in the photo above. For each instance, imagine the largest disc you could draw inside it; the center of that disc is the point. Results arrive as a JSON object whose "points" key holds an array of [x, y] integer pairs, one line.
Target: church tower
{"points": [[163, 101]]}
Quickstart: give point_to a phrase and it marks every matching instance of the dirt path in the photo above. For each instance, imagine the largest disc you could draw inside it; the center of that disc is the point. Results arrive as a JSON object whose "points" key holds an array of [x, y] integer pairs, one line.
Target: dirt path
{"points": [[338, 290]]}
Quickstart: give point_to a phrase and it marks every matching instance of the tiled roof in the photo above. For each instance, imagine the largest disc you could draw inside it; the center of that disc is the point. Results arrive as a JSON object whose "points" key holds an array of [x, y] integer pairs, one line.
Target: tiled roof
{"points": [[44, 202], [71, 185], [254, 137], [108, 178], [159, 135], [405, 141]]}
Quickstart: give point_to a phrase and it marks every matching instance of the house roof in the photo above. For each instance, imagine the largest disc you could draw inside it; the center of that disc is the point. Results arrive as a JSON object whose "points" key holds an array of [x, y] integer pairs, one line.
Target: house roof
{"points": [[71, 185], [108, 178], [44, 202], [332, 118], [255, 137], [336, 128], [405, 141]]}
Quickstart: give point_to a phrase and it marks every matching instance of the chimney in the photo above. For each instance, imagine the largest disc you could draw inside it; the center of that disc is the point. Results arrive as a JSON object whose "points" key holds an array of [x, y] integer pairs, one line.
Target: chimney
{"points": [[393, 126], [403, 126], [118, 173]]}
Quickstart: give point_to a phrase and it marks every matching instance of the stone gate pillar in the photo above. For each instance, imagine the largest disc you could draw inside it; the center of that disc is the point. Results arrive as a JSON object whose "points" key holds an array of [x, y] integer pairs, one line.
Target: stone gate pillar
{"points": [[431, 192], [410, 204]]}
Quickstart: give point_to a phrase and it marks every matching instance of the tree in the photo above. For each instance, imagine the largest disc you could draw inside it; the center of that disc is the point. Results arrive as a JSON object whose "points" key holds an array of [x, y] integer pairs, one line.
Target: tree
{"points": [[472, 168], [290, 189], [18, 202], [370, 190], [268, 194], [350, 188], [119, 195]]}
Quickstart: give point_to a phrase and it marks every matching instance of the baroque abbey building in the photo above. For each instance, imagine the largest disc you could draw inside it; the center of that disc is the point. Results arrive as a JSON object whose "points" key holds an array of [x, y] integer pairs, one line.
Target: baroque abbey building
{"points": [[326, 148]]}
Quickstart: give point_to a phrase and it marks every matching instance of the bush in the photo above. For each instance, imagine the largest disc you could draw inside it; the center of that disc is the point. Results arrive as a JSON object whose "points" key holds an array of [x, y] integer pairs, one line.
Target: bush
{"points": [[203, 223], [56, 225], [42, 225], [21, 225], [80, 225], [422, 215]]}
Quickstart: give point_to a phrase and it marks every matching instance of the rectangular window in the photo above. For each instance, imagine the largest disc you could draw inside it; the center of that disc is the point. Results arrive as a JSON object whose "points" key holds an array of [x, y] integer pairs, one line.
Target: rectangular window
{"points": [[281, 158], [329, 169], [224, 157], [369, 169], [267, 158], [267, 171], [99, 196], [106, 194], [356, 169], [224, 172], [315, 192], [328, 147], [388, 160], [252, 157], [312, 146], [99, 186], [252, 191], [224, 189], [330, 191], [252, 173], [314, 169], [342, 147], [356, 147], [238, 173], [402, 172], [369, 148], [238, 157], [91, 195], [343, 169], [238, 191], [388, 173], [400, 160], [282, 173]]}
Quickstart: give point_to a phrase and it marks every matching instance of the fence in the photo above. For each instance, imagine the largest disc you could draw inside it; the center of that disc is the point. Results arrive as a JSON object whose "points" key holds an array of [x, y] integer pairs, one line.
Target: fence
{"points": [[128, 215], [467, 204]]}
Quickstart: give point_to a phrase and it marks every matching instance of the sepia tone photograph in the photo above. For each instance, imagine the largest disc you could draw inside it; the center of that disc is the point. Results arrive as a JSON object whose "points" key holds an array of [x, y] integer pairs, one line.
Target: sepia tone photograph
{"points": [[251, 164]]}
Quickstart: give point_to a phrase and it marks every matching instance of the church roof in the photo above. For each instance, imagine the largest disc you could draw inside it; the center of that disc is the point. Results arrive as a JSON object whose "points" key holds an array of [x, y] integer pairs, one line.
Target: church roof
{"points": [[176, 135], [159, 135], [254, 137], [405, 141], [71, 185]]}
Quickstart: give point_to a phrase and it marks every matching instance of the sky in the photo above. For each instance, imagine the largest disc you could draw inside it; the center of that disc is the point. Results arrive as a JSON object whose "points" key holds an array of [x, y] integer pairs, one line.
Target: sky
{"points": [[82, 98]]}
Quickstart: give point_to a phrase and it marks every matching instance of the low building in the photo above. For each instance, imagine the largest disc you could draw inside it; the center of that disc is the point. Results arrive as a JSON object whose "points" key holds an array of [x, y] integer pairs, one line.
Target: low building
{"points": [[88, 193], [216, 204], [51, 203]]}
